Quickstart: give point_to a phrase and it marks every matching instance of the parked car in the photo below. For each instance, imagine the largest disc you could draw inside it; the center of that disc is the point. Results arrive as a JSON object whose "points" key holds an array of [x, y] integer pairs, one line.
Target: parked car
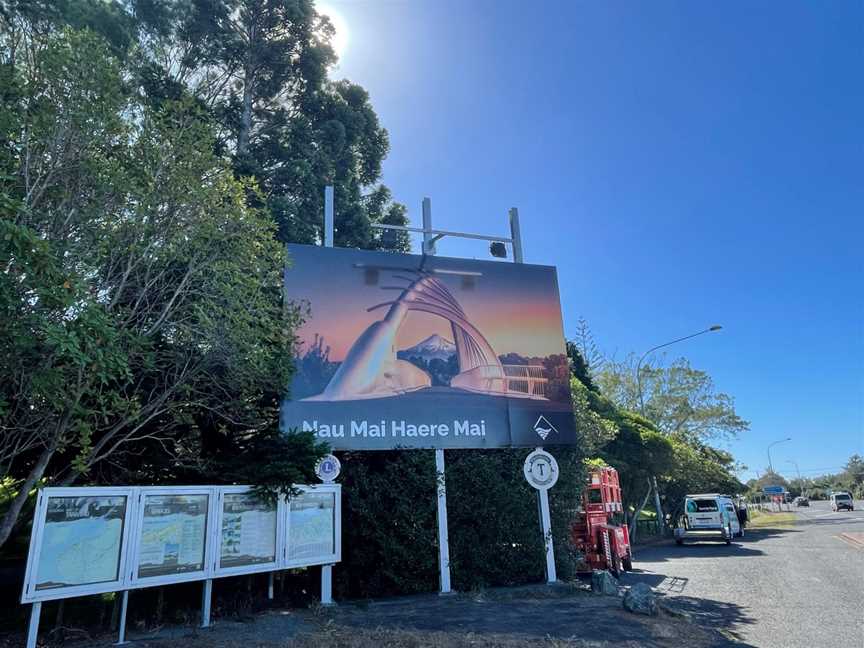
{"points": [[840, 501], [802, 501], [709, 516]]}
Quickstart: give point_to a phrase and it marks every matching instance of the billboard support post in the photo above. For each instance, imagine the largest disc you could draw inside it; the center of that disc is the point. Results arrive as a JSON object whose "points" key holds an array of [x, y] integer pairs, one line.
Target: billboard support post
{"points": [[124, 606], [428, 241], [33, 627], [443, 534], [440, 482], [328, 216], [206, 597], [270, 579], [515, 235]]}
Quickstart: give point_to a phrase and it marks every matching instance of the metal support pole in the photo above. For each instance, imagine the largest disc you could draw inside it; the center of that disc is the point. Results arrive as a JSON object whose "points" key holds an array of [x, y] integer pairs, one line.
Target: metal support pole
{"points": [[443, 536], [206, 597], [428, 243], [270, 579], [515, 235], [661, 523], [121, 632], [546, 528], [326, 584], [328, 216], [33, 628]]}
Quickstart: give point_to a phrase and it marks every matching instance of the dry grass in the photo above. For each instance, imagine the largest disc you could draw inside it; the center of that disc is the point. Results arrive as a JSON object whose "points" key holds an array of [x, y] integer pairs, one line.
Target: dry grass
{"points": [[764, 519]]}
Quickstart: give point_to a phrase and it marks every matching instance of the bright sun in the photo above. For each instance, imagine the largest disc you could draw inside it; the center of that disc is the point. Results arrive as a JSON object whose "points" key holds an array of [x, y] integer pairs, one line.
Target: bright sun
{"points": [[340, 38]]}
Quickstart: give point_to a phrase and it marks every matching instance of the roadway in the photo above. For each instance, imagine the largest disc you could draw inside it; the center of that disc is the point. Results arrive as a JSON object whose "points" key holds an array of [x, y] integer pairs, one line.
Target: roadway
{"points": [[795, 586]]}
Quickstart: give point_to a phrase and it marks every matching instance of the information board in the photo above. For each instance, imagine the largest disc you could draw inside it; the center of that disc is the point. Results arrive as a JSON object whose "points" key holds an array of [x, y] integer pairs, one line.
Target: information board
{"points": [[93, 540], [172, 535], [312, 527], [248, 531], [81, 541]]}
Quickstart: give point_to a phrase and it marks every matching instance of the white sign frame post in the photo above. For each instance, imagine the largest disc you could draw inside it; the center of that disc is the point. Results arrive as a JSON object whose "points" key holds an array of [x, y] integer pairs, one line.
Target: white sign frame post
{"points": [[541, 471]]}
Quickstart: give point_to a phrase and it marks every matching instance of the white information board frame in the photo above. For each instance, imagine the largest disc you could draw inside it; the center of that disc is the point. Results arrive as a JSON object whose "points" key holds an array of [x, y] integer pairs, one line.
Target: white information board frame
{"points": [[137, 582], [281, 537], [129, 558], [329, 559], [31, 575]]}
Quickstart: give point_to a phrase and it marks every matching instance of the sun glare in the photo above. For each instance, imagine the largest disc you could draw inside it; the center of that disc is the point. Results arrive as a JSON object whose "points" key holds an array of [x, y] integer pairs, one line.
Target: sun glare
{"points": [[340, 38]]}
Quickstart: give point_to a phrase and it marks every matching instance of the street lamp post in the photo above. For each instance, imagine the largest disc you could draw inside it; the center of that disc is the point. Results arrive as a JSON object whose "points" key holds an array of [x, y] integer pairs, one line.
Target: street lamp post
{"points": [[770, 445], [660, 521], [716, 327], [797, 469]]}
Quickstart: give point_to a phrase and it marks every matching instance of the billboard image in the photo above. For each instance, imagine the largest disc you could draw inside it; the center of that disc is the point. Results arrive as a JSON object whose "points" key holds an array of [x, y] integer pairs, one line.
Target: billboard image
{"points": [[402, 350]]}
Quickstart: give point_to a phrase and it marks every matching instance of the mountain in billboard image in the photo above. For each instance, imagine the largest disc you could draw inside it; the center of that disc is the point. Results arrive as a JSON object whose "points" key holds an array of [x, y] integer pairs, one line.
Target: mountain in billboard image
{"points": [[433, 347], [436, 355]]}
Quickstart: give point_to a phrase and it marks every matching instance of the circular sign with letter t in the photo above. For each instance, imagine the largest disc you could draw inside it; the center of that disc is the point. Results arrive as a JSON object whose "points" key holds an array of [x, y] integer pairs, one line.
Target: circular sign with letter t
{"points": [[541, 470]]}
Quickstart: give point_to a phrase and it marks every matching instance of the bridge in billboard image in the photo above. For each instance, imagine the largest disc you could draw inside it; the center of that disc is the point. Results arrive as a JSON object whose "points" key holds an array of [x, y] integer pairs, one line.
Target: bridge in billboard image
{"points": [[410, 351]]}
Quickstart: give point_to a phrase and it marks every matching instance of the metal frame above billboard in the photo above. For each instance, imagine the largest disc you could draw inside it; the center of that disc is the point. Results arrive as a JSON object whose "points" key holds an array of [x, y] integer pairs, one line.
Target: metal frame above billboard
{"points": [[421, 351]]}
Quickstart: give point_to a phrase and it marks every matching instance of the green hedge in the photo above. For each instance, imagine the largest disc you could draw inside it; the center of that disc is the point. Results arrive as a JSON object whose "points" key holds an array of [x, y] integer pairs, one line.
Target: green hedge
{"points": [[389, 524]]}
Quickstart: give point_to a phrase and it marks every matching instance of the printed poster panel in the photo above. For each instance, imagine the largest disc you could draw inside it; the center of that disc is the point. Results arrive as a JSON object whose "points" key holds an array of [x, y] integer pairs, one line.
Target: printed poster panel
{"points": [[81, 542], [248, 531], [411, 351], [172, 535], [312, 526]]}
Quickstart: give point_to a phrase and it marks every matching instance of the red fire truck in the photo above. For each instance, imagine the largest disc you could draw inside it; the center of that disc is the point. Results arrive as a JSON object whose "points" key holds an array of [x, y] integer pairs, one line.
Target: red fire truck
{"points": [[599, 531]]}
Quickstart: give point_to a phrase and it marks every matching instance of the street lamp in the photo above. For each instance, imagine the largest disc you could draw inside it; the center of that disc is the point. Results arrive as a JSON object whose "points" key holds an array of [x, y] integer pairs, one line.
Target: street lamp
{"points": [[710, 329], [797, 469], [770, 445], [715, 327]]}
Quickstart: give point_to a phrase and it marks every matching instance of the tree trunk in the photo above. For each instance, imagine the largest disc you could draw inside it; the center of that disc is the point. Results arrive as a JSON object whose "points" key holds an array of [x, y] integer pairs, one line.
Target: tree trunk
{"points": [[639, 512], [10, 518]]}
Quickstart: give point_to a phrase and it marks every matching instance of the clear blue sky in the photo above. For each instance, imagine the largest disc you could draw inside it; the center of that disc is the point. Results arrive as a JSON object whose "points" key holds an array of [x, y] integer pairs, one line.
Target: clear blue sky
{"points": [[682, 163]]}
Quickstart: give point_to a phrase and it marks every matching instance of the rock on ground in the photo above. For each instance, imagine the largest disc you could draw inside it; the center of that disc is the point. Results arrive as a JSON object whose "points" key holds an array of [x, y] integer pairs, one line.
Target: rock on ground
{"points": [[639, 599], [603, 582]]}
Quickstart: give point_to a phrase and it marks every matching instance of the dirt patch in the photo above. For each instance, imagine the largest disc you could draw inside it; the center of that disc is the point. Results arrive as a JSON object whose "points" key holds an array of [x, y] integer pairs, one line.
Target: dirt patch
{"points": [[553, 617]]}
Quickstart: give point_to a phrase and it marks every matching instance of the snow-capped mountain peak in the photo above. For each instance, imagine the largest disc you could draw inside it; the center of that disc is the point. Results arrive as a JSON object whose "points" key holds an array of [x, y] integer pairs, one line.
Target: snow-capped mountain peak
{"points": [[433, 346]]}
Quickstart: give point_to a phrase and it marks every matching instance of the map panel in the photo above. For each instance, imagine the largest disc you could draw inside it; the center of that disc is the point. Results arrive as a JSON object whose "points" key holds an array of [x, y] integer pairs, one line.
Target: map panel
{"points": [[311, 524], [248, 531], [81, 541], [172, 535]]}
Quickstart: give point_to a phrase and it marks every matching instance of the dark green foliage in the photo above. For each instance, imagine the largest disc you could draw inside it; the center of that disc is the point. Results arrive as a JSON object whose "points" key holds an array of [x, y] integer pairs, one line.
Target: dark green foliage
{"points": [[389, 528], [495, 535]]}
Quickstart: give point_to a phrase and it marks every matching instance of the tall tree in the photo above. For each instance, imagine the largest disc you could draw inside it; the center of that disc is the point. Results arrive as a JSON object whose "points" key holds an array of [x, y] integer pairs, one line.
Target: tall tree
{"points": [[681, 400], [261, 68], [137, 286]]}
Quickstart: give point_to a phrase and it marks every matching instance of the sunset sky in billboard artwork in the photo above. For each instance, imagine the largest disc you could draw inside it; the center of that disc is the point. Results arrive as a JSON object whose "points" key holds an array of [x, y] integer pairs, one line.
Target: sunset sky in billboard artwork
{"points": [[516, 307]]}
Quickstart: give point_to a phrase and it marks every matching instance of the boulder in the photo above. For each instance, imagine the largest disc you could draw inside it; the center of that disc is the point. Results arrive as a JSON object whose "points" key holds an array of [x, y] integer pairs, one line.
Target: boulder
{"points": [[603, 582], [640, 599]]}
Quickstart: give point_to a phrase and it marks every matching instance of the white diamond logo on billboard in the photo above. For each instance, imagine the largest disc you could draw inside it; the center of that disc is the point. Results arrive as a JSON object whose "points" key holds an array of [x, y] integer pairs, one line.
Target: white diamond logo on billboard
{"points": [[543, 428]]}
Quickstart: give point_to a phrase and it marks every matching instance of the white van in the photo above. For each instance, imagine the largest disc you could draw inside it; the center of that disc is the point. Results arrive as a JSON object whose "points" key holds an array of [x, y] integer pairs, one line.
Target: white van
{"points": [[709, 516], [842, 500]]}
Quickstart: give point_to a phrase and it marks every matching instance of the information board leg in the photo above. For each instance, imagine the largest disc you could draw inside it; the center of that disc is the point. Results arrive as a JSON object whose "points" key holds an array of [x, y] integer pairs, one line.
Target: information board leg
{"points": [[443, 536], [270, 578], [33, 628], [326, 584], [546, 526], [206, 596], [121, 632]]}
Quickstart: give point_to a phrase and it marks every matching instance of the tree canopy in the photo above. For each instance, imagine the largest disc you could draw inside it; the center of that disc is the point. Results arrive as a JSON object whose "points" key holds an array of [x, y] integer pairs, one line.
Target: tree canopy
{"points": [[681, 400]]}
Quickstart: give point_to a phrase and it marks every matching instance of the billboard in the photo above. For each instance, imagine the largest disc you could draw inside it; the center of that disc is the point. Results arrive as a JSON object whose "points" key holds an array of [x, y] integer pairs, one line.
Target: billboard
{"points": [[410, 351]]}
